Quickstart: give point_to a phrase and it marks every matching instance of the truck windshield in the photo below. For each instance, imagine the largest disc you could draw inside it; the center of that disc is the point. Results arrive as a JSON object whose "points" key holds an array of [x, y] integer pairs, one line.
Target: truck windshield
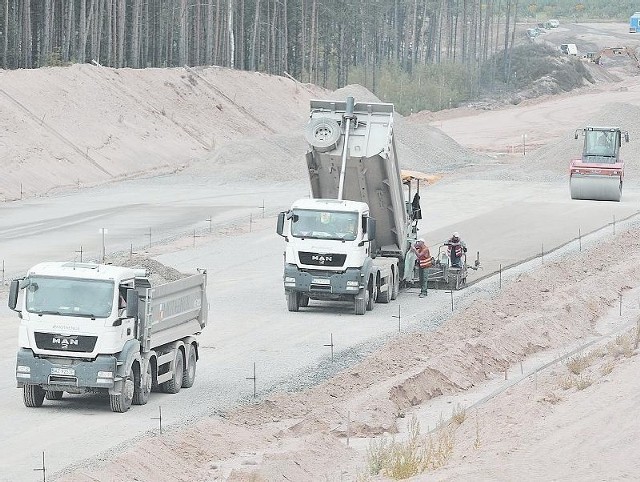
{"points": [[69, 296], [324, 224]]}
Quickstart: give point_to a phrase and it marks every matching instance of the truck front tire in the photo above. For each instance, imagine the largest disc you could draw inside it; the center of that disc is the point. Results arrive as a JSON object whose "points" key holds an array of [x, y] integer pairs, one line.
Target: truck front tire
{"points": [[142, 388], [361, 302], [33, 395], [121, 402], [293, 301]]}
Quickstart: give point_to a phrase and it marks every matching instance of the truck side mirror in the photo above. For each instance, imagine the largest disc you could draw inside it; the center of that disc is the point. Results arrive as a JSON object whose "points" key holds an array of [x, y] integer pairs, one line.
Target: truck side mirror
{"points": [[13, 294], [280, 226], [132, 303], [371, 229]]}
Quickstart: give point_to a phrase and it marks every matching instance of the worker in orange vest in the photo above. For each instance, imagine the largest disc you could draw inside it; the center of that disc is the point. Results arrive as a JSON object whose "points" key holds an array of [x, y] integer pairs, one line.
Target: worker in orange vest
{"points": [[424, 261]]}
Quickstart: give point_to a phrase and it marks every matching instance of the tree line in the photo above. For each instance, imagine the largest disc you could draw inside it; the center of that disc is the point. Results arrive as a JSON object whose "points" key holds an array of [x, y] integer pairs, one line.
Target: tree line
{"points": [[312, 40]]}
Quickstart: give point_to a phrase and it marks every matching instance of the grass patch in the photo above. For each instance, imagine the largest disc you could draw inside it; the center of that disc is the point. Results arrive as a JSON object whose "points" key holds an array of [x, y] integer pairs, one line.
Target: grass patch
{"points": [[565, 382], [583, 381], [577, 364], [401, 460], [459, 414], [607, 367]]}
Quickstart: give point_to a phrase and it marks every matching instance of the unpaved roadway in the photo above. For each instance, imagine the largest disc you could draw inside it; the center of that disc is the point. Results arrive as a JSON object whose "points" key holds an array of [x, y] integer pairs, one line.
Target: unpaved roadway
{"points": [[249, 322]]}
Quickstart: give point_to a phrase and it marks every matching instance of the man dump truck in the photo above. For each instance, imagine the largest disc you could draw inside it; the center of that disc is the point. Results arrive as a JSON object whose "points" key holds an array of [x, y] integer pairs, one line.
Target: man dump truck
{"points": [[349, 240], [599, 173], [88, 327]]}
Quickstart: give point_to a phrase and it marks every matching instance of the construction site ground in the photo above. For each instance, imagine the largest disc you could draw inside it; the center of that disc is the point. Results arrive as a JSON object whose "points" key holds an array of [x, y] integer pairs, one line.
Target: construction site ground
{"points": [[528, 373]]}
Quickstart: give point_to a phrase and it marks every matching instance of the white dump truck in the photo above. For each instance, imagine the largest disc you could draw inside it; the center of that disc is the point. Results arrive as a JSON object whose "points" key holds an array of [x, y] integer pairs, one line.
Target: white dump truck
{"points": [[88, 327], [349, 240]]}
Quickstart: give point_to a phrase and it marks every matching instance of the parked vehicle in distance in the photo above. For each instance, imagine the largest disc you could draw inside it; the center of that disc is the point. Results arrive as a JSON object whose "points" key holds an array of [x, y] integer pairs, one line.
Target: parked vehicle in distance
{"points": [[569, 49], [634, 23], [553, 23], [532, 33]]}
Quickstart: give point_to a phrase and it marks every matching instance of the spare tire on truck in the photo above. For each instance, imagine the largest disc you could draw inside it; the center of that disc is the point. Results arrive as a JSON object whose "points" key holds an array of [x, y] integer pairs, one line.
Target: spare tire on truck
{"points": [[323, 134]]}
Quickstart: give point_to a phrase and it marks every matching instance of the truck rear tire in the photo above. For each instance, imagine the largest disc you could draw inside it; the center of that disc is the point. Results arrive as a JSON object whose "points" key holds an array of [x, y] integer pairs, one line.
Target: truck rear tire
{"points": [[121, 403], [385, 296], [33, 395], [189, 375], [293, 301], [175, 384], [53, 395], [395, 289], [142, 388], [373, 296]]}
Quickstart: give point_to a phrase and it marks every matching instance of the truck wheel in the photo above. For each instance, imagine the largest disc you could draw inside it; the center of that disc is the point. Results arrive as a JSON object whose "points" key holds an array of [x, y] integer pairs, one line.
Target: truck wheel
{"points": [[372, 298], [323, 134], [189, 375], [385, 296], [53, 395], [395, 288], [32, 395], [361, 302], [142, 387], [175, 384], [293, 301], [122, 402], [304, 301]]}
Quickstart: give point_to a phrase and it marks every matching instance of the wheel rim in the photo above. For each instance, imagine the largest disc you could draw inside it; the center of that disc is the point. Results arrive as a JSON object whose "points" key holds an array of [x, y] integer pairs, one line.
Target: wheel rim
{"points": [[127, 390]]}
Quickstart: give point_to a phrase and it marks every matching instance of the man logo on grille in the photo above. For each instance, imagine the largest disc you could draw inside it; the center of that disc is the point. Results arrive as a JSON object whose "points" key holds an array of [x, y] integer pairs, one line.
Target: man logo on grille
{"points": [[322, 259], [64, 342]]}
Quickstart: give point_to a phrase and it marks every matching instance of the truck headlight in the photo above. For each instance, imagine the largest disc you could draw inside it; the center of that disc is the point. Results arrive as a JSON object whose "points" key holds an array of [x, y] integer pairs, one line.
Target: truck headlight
{"points": [[23, 369], [352, 283], [105, 374], [289, 279]]}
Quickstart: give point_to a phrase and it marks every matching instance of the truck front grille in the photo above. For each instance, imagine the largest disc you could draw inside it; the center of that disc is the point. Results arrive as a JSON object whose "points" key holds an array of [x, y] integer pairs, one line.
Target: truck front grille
{"points": [[71, 343], [319, 259]]}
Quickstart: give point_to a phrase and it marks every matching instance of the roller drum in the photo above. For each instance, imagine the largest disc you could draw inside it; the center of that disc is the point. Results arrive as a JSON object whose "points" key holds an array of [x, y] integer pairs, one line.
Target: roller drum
{"points": [[596, 188]]}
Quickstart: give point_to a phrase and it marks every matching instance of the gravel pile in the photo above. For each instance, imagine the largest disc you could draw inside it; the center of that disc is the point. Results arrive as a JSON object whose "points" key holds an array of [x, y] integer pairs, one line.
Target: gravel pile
{"points": [[157, 272]]}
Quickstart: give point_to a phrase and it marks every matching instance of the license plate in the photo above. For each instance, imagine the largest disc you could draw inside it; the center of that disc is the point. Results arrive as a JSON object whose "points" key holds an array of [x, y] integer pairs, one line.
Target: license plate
{"points": [[321, 281], [62, 371]]}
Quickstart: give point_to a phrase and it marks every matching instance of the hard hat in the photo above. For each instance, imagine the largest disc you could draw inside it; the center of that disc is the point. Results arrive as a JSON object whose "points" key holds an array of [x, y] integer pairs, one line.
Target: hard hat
{"points": [[455, 235], [418, 241]]}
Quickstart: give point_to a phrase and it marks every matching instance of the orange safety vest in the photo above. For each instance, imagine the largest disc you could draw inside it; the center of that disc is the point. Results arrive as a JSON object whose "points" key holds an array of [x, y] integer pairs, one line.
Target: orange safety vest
{"points": [[424, 257]]}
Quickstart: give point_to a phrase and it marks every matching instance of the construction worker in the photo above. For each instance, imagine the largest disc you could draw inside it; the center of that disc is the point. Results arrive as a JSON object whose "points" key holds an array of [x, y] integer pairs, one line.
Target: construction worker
{"points": [[457, 248], [424, 261]]}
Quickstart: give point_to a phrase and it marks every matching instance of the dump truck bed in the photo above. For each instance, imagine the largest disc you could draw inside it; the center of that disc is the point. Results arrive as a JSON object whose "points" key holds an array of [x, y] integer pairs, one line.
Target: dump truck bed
{"points": [[172, 311], [372, 173]]}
